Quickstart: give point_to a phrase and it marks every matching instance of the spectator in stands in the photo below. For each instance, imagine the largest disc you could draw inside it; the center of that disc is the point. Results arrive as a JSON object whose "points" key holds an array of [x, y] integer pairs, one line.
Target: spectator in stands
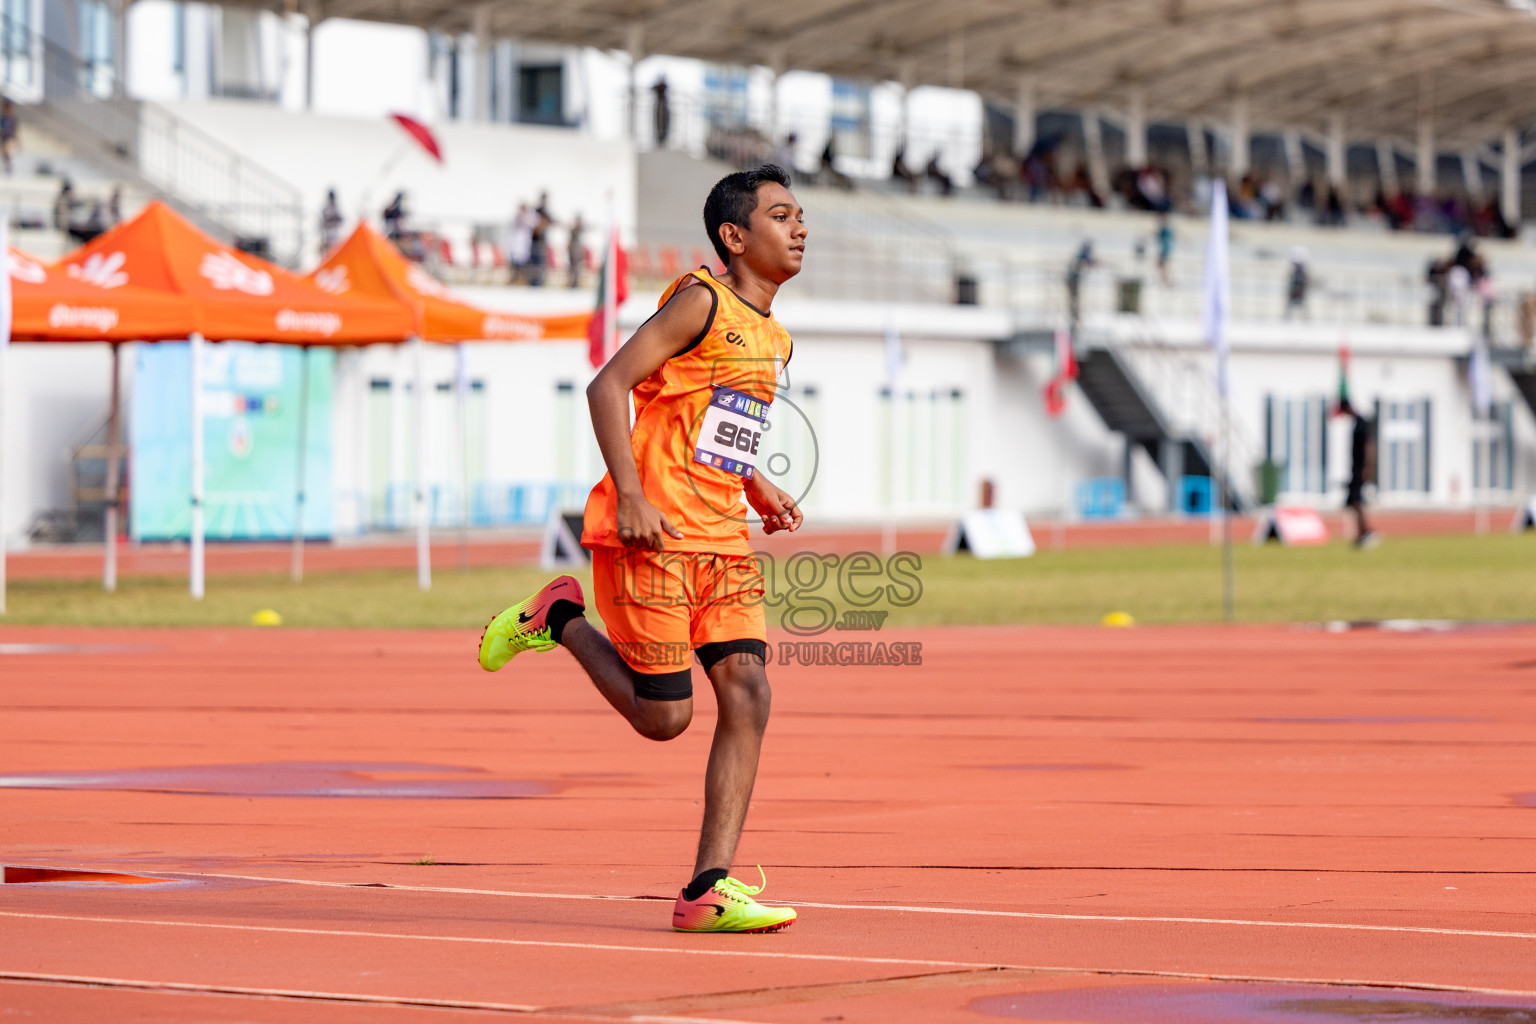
{"points": [[900, 171], [575, 253], [1459, 283], [115, 207], [1439, 290], [64, 206], [1081, 263], [1362, 470], [538, 250], [520, 243], [94, 224], [394, 218], [661, 113], [784, 155], [1164, 239], [1525, 321], [10, 136], [330, 222], [935, 173], [1298, 284], [830, 175]]}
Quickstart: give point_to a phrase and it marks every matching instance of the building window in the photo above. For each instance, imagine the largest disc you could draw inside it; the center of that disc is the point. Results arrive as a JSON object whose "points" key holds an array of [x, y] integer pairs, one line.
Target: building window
{"points": [[1402, 446], [1296, 440], [1493, 450], [541, 94], [17, 42], [96, 46], [850, 118]]}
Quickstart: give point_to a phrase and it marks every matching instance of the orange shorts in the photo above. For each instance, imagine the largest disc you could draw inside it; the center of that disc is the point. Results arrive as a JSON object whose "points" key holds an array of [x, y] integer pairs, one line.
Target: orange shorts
{"points": [[659, 606]]}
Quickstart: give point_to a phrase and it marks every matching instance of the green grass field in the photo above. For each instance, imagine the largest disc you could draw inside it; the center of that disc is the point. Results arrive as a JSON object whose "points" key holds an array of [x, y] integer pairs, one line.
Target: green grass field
{"points": [[1490, 577]]}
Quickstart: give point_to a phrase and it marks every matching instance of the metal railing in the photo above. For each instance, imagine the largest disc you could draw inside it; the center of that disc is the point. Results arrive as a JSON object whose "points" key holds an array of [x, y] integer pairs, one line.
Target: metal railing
{"points": [[224, 191]]}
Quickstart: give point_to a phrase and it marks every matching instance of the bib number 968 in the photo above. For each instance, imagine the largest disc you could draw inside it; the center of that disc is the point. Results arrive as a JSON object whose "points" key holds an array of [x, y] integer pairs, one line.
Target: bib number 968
{"points": [[741, 438]]}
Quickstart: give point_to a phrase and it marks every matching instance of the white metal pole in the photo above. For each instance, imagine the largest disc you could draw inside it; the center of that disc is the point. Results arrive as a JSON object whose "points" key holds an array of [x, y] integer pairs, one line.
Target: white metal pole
{"points": [[296, 570], [114, 435], [195, 343], [610, 283], [423, 527], [461, 409]]}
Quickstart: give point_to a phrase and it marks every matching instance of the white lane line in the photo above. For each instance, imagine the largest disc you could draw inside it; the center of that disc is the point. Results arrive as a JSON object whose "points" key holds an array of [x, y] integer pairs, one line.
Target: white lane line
{"points": [[333, 997], [481, 940], [897, 908], [1135, 972]]}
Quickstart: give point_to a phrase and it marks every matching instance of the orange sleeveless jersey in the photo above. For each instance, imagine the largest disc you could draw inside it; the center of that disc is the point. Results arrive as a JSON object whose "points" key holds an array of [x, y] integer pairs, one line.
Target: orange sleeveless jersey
{"points": [[741, 349]]}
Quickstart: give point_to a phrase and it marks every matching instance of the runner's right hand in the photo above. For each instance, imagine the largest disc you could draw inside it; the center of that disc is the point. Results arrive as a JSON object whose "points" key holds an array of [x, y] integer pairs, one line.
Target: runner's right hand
{"points": [[642, 525]]}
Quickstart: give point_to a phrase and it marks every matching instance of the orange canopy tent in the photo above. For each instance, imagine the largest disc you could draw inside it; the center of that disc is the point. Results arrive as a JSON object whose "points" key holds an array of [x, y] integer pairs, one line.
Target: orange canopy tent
{"points": [[50, 305], [232, 295], [229, 295], [368, 265]]}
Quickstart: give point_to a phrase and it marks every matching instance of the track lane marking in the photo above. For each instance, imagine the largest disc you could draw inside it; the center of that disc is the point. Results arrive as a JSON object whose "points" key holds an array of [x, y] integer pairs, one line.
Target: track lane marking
{"points": [[192, 988], [898, 908]]}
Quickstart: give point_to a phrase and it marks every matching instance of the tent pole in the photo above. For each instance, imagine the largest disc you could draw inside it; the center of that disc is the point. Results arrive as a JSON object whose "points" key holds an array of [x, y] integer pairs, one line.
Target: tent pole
{"points": [[461, 401], [423, 536], [114, 433], [195, 342], [5, 345], [297, 569]]}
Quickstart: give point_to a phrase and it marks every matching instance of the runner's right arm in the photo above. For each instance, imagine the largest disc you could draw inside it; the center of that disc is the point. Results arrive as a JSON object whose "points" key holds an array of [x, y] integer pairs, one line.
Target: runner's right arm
{"points": [[640, 524]]}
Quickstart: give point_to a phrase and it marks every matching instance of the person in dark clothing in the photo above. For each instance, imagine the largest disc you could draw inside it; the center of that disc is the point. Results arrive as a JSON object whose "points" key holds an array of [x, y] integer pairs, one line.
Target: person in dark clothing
{"points": [[1362, 470], [661, 113]]}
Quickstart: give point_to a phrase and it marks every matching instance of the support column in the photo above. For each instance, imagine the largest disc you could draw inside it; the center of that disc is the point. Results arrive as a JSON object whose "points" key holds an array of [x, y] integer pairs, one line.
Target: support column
{"points": [[114, 466], [1509, 179], [634, 45], [906, 73], [1199, 154], [778, 63], [1386, 167], [312, 19], [1024, 116], [1295, 162], [1093, 142], [957, 60], [484, 60], [1472, 175], [1136, 129], [1338, 171], [1171, 457], [1238, 162], [1424, 156]]}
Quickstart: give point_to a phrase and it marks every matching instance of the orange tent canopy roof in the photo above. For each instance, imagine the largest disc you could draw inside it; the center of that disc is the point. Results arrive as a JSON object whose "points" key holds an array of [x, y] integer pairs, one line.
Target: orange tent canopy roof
{"points": [[49, 305], [368, 264], [230, 295]]}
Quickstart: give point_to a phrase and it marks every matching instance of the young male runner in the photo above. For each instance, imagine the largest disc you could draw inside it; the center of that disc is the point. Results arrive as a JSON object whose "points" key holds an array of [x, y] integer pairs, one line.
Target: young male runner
{"points": [[671, 567]]}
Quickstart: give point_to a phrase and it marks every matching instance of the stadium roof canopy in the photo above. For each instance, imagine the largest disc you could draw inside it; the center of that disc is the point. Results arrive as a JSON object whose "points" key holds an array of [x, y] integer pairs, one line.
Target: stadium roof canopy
{"points": [[1386, 67]]}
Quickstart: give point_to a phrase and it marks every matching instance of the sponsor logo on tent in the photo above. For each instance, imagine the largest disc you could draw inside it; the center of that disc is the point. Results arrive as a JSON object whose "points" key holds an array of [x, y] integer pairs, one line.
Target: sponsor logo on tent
{"points": [[228, 274], [98, 318], [499, 325], [25, 268], [425, 283], [104, 270], [333, 280], [323, 324]]}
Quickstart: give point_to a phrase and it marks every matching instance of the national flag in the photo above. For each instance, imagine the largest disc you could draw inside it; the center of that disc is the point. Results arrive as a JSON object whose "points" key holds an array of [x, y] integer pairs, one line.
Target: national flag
{"points": [[1216, 309], [1479, 378], [1343, 401], [1066, 372], [612, 290]]}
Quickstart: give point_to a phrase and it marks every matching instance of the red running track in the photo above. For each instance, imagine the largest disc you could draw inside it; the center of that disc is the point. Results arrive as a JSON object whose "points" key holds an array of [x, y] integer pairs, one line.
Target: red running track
{"points": [[1180, 824]]}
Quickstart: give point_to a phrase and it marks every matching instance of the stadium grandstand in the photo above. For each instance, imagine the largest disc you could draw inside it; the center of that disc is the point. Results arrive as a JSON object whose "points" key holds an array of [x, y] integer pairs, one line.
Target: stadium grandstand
{"points": [[977, 177]]}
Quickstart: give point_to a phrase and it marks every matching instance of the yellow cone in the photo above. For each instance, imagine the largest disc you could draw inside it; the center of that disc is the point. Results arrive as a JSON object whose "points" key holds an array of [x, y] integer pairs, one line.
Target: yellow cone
{"points": [[266, 617], [1118, 620]]}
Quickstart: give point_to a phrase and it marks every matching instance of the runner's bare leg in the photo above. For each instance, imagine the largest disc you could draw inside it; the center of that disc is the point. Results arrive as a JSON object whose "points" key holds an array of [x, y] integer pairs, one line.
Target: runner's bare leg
{"points": [[743, 697]]}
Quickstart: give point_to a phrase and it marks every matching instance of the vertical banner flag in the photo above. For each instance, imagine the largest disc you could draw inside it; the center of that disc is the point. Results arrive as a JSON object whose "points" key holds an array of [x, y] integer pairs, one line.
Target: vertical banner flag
{"points": [[612, 290], [1216, 306], [1343, 401], [1065, 373], [1479, 378]]}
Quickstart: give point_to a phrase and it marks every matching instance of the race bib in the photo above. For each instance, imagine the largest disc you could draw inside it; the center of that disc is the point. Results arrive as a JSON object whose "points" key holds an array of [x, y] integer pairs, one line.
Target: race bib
{"points": [[730, 432]]}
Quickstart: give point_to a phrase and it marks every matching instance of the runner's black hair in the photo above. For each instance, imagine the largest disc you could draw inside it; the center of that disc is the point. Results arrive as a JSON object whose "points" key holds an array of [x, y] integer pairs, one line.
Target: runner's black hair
{"points": [[733, 199]]}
